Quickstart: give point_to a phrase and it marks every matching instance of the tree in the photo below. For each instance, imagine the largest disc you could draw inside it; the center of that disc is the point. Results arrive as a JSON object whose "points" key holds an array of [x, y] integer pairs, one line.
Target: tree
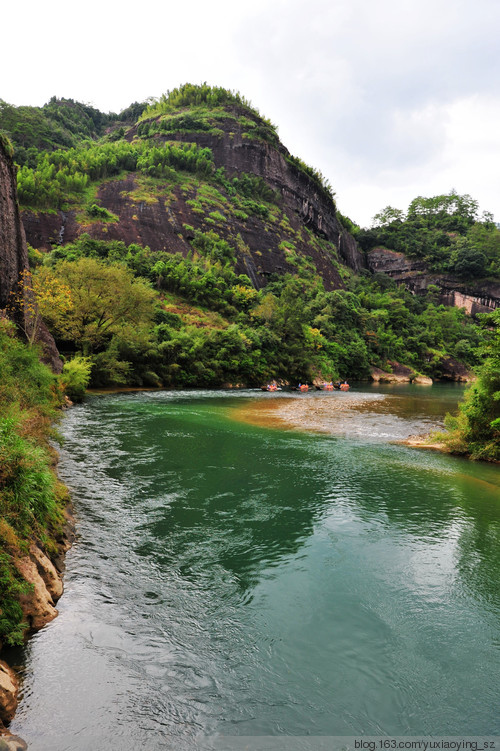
{"points": [[476, 429], [466, 261], [387, 216], [37, 297], [105, 297]]}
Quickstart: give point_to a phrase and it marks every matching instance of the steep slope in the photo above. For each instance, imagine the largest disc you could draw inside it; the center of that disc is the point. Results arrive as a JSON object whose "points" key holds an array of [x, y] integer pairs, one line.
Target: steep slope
{"points": [[475, 296], [249, 264], [443, 243], [273, 210], [14, 295], [32, 537]]}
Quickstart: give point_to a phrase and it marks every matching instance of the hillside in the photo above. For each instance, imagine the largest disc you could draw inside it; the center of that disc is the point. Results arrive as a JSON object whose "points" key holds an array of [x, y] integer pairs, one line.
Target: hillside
{"points": [[440, 241], [194, 168], [253, 274]]}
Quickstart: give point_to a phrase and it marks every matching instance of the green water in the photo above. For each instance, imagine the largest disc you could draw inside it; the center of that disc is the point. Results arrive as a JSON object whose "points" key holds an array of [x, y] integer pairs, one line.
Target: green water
{"points": [[237, 580]]}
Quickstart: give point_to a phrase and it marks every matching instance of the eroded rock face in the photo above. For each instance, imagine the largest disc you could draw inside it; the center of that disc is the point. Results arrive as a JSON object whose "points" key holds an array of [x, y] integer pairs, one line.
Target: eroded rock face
{"points": [[14, 259], [452, 370], [8, 693], [399, 374], [9, 742], [13, 251], [38, 604], [38, 609], [161, 225], [475, 297]]}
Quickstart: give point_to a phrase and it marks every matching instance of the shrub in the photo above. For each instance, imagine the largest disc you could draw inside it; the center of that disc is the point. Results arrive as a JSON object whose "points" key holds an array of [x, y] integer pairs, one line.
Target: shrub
{"points": [[76, 376]]}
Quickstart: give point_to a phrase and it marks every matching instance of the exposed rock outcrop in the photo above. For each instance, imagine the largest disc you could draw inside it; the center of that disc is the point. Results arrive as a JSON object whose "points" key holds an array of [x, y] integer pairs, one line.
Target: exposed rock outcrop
{"points": [[160, 223], [450, 369], [399, 374], [14, 261], [9, 742], [475, 297], [38, 604], [8, 693]]}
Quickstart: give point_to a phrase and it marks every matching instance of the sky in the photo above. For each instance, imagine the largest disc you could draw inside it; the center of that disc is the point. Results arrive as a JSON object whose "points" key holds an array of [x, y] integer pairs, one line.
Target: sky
{"points": [[389, 99]]}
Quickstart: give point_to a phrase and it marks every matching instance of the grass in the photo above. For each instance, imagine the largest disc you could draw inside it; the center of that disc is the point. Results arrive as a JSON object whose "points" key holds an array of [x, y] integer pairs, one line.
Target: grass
{"points": [[193, 316], [31, 498]]}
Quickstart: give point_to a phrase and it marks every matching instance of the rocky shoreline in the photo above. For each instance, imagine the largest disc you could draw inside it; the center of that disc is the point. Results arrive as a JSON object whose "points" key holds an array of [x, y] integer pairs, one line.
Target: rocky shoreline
{"points": [[45, 575]]}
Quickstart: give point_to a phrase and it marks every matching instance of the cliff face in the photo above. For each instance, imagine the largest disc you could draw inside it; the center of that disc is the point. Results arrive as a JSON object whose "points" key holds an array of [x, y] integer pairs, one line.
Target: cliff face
{"points": [[14, 259], [160, 222], [475, 297], [13, 252], [300, 194]]}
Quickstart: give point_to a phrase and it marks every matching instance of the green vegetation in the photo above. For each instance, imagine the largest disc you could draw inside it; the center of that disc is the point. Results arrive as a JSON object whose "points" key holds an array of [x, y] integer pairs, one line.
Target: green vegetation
{"points": [[6, 143], [292, 329], [122, 314], [63, 176], [61, 123], [30, 496], [444, 231], [76, 377], [199, 109], [476, 429]]}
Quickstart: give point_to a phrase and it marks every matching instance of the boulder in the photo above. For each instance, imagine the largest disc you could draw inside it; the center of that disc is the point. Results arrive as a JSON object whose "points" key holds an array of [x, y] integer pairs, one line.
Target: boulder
{"points": [[9, 742], [47, 571], [399, 374], [38, 604], [422, 380], [8, 693]]}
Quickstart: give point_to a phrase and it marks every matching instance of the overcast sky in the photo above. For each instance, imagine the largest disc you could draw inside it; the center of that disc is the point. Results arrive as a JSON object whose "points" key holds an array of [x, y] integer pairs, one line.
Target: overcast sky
{"points": [[389, 99]]}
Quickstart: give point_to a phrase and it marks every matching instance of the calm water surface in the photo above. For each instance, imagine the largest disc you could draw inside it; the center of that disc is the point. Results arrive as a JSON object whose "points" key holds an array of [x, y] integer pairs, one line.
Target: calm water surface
{"points": [[237, 580]]}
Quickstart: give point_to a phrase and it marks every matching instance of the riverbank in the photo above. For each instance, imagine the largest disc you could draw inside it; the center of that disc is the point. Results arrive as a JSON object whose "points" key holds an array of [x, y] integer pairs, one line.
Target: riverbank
{"points": [[43, 571], [36, 526]]}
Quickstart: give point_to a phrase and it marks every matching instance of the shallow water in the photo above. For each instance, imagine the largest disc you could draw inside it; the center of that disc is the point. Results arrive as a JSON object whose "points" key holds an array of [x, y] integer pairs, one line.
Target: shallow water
{"points": [[239, 580]]}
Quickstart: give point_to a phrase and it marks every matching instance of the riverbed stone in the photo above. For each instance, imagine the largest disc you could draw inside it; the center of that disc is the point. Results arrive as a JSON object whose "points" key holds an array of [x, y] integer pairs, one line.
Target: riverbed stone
{"points": [[38, 605], [8, 693], [422, 380], [9, 742], [47, 571]]}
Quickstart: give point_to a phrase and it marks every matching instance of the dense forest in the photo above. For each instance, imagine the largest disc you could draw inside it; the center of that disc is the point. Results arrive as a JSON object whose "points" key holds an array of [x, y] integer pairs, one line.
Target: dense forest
{"points": [[445, 231]]}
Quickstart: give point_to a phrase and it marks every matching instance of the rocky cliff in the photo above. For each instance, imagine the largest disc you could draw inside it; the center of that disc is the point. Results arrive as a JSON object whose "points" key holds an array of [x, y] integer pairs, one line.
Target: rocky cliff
{"points": [[165, 221], [475, 297], [13, 253], [14, 260]]}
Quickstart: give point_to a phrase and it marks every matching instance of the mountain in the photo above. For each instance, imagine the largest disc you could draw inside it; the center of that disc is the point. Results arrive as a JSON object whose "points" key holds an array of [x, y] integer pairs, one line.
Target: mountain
{"points": [[240, 182], [256, 274]]}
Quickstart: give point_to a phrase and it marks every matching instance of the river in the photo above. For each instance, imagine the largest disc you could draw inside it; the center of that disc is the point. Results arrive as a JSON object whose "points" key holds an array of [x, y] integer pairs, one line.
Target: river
{"points": [[237, 577]]}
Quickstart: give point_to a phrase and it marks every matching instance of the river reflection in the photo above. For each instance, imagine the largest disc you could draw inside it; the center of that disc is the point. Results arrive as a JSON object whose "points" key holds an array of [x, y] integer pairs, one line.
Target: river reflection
{"points": [[246, 581]]}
